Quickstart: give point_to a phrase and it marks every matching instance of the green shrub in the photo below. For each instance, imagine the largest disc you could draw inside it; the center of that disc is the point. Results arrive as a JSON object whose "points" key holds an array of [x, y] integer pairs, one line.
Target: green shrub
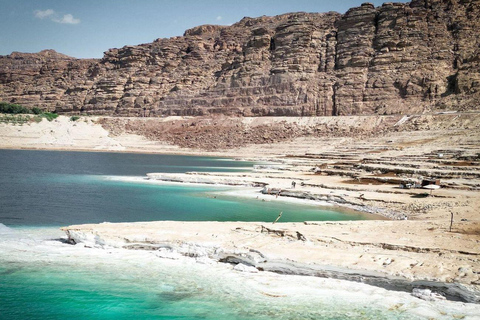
{"points": [[12, 108], [36, 110], [49, 115], [74, 118], [37, 119]]}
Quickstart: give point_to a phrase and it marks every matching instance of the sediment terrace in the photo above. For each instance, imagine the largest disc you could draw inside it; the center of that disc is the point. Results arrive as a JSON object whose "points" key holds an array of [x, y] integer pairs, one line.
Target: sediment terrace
{"points": [[418, 250]]}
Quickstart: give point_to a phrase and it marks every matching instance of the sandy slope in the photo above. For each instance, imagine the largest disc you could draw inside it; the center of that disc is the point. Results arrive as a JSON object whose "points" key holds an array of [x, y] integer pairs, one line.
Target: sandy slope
{"points": [[64, 134]]}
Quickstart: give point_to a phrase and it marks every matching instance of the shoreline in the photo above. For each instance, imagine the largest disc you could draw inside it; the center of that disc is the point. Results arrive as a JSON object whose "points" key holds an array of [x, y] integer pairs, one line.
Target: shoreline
{"points": [[364, 171], [283, 248], [275, 186], [244, 192], [198, 278], [284, 195], [133, 151]]}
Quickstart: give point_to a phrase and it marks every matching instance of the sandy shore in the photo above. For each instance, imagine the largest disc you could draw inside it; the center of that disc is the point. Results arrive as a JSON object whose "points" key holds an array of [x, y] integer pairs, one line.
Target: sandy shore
{"points": [[361, 172]]}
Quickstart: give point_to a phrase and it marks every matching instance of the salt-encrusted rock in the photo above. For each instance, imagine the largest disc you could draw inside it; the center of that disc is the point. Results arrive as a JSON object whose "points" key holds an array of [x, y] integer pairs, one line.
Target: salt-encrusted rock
{"points": [[427, 294], [244, 268], [204, 178], [168, 254], [204, 260], [278, 248]]}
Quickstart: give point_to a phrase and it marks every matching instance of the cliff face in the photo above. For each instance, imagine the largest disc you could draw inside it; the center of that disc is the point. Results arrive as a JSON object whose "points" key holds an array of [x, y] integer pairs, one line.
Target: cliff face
{"points": [[397, 58]]}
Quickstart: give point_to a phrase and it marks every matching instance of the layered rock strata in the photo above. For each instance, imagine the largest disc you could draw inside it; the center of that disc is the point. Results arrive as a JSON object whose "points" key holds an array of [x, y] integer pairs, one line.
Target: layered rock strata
{"points": [[396, 58]]}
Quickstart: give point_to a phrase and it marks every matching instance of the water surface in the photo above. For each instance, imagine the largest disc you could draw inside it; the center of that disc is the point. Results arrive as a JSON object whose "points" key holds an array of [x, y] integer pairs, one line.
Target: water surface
{"points": [[50, 188]]}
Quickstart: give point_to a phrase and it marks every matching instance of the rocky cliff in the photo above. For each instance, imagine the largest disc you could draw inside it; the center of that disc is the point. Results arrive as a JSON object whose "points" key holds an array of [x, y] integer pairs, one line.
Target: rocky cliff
{"points": [[396, 58]]}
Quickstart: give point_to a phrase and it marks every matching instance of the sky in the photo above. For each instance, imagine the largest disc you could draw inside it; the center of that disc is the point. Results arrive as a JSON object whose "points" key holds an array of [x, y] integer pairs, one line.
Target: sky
{"points": [[87, 28]]}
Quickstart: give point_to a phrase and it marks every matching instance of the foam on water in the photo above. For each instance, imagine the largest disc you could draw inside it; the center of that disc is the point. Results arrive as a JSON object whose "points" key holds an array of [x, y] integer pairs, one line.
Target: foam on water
{"points": [[42, 277]]}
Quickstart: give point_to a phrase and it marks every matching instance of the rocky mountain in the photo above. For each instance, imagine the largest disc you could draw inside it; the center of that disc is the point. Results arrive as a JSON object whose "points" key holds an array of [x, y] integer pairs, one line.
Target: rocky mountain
{"points": [[396, 58]]}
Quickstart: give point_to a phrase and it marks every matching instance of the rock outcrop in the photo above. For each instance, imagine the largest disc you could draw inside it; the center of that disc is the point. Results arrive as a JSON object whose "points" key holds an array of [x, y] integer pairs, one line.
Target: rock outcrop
{"points": [[396, 58]]}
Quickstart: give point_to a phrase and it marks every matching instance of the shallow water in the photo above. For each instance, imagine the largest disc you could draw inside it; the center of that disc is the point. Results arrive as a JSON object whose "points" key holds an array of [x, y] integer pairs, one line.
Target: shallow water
{"points": [[60, 188]]}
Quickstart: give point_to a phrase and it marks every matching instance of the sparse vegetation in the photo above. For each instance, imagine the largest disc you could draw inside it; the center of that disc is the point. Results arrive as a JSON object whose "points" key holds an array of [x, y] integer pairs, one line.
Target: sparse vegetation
{"points": [[15, 118], [49, 115], [74, 118], [37, 119], [13, 113], [13, 108]]}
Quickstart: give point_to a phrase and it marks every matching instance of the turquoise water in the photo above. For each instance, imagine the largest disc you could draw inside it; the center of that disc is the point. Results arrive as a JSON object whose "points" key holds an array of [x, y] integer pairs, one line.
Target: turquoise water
{"points": [[89, 296], [42, 277], [46, 188]]}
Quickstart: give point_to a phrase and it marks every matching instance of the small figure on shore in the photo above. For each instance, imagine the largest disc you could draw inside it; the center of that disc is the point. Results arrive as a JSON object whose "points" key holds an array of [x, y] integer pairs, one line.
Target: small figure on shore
{"points": [[293, 184]]}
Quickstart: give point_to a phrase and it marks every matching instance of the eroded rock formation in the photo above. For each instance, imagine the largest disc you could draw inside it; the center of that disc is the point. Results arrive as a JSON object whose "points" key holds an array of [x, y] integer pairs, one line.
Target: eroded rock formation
{"points": [[397, 58]]}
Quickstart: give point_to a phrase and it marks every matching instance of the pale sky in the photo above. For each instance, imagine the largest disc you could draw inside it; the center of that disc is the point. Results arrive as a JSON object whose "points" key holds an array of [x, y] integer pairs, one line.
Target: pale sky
{"points": [[87, 28]]}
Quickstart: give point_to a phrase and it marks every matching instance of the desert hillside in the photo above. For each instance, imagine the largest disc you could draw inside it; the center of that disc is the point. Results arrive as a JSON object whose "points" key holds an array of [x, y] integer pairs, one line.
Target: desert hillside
{"points": [[394, 59]]}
